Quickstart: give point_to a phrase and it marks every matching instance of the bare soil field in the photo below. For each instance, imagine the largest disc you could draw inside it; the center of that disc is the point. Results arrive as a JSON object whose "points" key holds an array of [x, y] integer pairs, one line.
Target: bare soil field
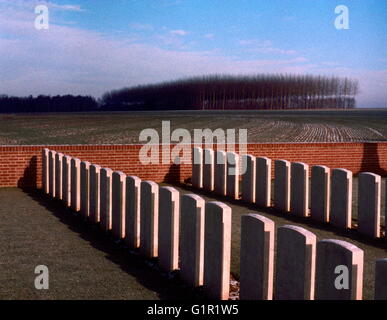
{"points": [[262, 126]]}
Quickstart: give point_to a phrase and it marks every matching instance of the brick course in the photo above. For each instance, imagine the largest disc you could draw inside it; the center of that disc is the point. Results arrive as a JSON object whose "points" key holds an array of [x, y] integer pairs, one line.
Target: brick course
{"points": [[20, 166]]}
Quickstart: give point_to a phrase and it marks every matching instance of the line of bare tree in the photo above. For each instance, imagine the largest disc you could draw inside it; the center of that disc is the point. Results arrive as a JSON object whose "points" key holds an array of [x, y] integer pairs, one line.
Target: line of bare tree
{"points": [[238, 92], [42, 103]]}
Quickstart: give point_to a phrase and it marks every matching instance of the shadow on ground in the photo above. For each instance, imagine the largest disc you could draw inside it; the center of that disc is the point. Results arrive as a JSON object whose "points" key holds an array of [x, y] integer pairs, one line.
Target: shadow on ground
{"points": [[166, 286]]}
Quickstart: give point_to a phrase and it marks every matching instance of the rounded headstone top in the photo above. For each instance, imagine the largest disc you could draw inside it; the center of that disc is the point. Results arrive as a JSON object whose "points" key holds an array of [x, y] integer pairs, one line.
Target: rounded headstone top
{"points": [[258, 217], [306, 233], [341, 244], [193, 196]]}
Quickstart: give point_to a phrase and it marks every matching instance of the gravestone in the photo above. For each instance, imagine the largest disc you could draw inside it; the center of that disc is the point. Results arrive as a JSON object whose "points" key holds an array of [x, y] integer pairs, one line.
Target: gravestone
{"points": [[334, 259], [299, 189], [256, 258], [232, 179], [263, 182], [320, 193], [76, 184], [94, 193], [85, 176], [381, 279], [118, 204], [149, 217], [45, 174], [282, 185], [295, 267], [51, 172], [248, 179], [208, 170], [105, 210], [133, 197], [66, 181], [192, 239], [58, 175], [217, 250], [220, 172], [197, 167], [369, 204], [169, 213], [341, 198]]}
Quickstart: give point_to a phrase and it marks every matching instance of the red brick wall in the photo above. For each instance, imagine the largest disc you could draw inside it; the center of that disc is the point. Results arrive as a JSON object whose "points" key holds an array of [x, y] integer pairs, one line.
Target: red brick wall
{"points": [[21, 165]]}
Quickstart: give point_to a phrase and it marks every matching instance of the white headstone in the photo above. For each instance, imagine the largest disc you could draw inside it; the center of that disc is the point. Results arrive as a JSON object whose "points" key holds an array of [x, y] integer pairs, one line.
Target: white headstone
{"points": [[76, 184], [105, 210], [45, 174], [133, 198], [94, 193], [149, 217], [51, 173], [217, 250], [341, 198], [220, 172], [58, 175], [85, 176], [263, 182], [208, 170], [339, 271], [299, 189], [320, 193], [256, 258], [232, 175], [282, 185], [295, 267], [248, 179], [66, 181], [169, 213], [118, 204], [197, 167], [192, 239], [369, 204]]}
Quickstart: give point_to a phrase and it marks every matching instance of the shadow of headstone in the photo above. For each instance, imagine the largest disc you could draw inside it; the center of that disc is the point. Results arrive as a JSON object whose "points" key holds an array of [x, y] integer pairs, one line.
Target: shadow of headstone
{"points": [[371, 160], [30, 175]]}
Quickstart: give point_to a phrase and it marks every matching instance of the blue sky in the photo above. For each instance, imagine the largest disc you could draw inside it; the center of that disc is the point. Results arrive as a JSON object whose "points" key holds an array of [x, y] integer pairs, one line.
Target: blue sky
{"points": [[93, 46]]}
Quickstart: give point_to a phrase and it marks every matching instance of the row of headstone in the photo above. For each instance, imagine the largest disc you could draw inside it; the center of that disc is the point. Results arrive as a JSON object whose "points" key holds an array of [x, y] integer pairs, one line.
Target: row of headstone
{"points": [[331, 195], [216, 171], [183, 232], [189, 234], [330, 191], [305, 269]]}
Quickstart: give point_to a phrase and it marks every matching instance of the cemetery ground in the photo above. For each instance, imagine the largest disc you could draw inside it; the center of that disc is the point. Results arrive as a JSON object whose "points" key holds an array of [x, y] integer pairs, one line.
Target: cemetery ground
{"points": [[262, 126], [83, 265]]}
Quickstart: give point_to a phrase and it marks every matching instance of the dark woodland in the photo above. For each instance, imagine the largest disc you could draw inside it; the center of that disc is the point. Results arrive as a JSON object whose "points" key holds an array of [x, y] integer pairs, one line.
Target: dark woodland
{"points": [[261, 92], [266, 92], [66, 103]]}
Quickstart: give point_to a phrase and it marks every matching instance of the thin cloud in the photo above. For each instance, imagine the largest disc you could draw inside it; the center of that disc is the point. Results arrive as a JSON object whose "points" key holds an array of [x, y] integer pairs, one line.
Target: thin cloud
{"points": [[266, 47], [27, 5], [178, 32], [141, 26], [64, 7], [330, 63], [209, 36]]}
